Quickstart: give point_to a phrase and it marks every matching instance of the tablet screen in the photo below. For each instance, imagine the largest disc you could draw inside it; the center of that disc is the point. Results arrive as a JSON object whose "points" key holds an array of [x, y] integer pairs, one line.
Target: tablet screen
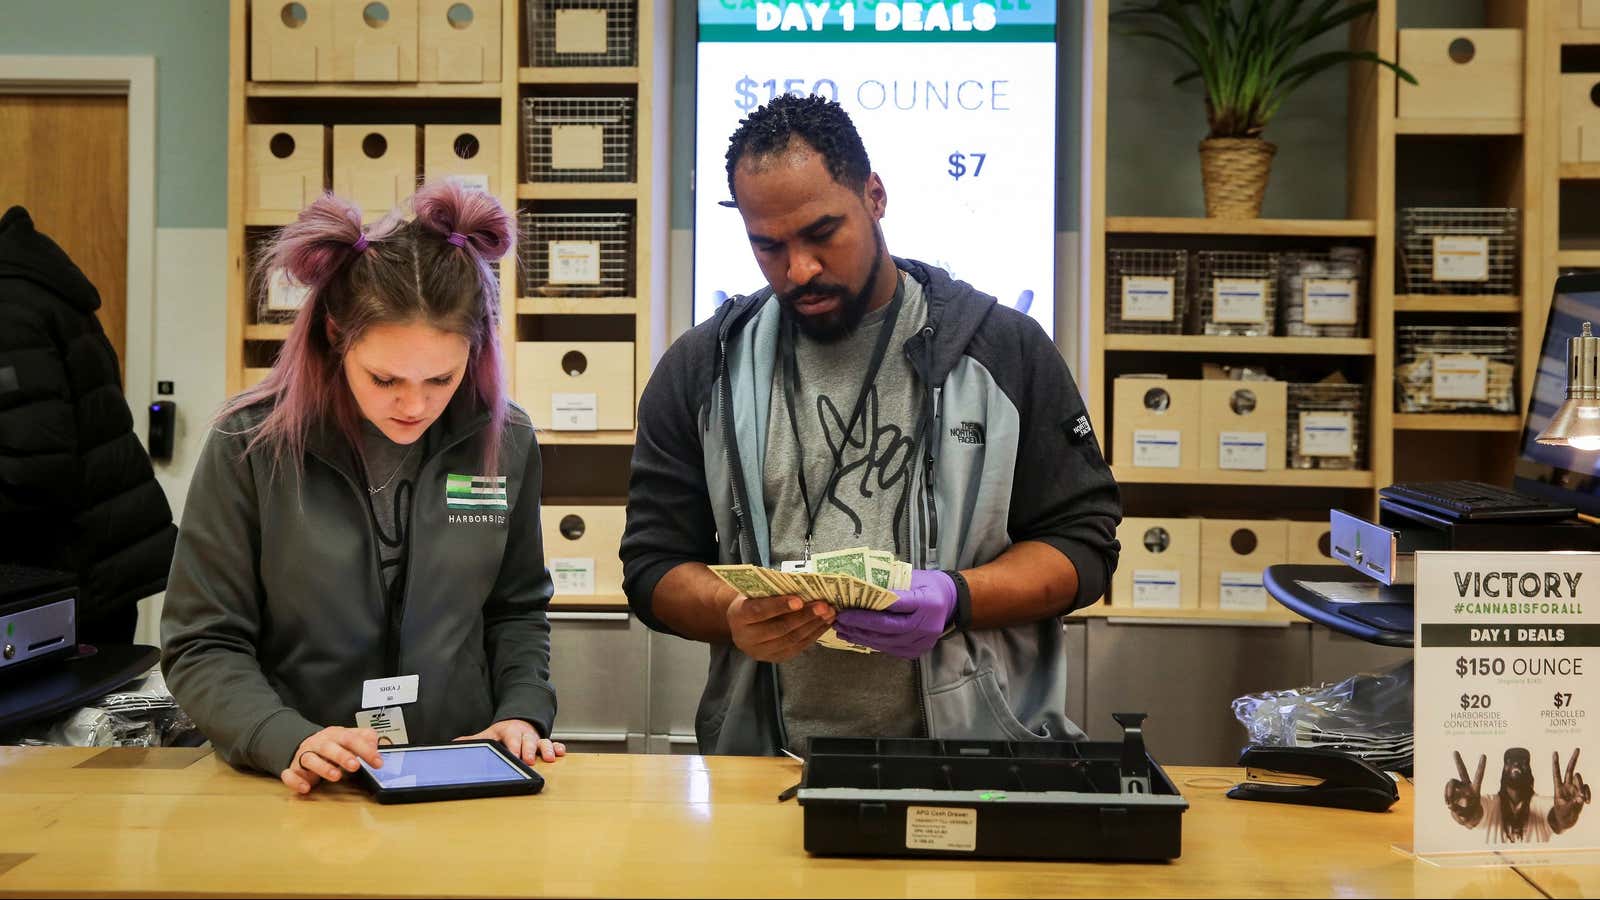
{"points": [[443, 766]]}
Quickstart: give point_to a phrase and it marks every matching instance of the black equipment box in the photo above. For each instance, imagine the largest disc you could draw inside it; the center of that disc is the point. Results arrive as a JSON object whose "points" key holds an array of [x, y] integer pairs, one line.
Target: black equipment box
{"points": [[991, 799]]}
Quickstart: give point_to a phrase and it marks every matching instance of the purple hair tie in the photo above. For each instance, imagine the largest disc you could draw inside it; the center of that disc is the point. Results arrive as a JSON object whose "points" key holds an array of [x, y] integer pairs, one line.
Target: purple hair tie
{"points": [[457, 238], [360, 245]]}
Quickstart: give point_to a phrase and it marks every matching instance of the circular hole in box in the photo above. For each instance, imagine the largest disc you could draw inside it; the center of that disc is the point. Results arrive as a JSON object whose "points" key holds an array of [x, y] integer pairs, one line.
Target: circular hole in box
{"points": [[1157, 539], [1243, 541], [1462, 50], [572, 527], [376, 15], [460, 16], [574, 363], [374, 145], [293, 15], [1157, 400], [466, 146], [281, 145]]}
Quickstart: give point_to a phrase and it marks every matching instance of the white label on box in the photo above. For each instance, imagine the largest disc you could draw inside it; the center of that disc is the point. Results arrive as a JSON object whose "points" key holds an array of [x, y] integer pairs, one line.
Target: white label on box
{"points": [[471, 182], [573, 575], [1460, 378], [284, 294], [941, 828], [574, 412], [1327, 434], [1242, 450], [1330, 301], [1241, 300], [1157, 588], [1158, 449], [574, 262], [1242, 591], [1148, 299], [1460, 258]]}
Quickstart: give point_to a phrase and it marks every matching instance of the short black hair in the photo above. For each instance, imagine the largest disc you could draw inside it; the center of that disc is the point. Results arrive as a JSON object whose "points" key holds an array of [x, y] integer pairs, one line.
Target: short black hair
{"points": [[821, 123]]}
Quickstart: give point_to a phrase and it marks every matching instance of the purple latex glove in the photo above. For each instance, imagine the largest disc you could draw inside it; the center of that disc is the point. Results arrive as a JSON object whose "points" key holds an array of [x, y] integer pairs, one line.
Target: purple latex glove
{"points": [[912, 625]]}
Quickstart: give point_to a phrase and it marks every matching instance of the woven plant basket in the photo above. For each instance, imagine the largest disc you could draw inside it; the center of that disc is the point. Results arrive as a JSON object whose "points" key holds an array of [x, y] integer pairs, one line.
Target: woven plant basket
{"points": [[1235, 173]]}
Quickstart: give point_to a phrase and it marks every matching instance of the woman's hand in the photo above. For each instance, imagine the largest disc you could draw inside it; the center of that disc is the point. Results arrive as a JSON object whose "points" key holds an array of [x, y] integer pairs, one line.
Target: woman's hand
{"points": [[329, 754], [522, 739]]}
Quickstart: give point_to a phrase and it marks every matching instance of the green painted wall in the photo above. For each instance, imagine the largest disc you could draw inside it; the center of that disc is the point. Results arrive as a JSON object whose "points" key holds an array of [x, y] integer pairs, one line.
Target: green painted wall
{"points": [[189, 39]]}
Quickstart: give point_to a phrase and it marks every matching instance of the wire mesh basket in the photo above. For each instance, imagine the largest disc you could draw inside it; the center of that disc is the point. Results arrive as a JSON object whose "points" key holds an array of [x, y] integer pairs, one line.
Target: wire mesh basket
{"points": [[1323, 294], [1147, 291], [582, 32], [576, 254], [1237, 291], [1456, 369], [1327, 426], [1447, 250], [568, 139]]}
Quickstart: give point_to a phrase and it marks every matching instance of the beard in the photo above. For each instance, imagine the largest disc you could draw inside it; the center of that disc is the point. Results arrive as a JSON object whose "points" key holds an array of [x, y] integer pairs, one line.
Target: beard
{"points": [[835, 326]]}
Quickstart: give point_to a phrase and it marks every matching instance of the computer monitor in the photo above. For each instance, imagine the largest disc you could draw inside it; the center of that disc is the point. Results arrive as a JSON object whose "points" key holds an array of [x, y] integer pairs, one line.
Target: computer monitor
{"points": [[1560, 474]]}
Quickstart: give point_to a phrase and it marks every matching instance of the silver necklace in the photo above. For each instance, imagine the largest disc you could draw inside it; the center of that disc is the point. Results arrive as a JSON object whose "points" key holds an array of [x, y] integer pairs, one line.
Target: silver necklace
{"points": [[398, 466]]}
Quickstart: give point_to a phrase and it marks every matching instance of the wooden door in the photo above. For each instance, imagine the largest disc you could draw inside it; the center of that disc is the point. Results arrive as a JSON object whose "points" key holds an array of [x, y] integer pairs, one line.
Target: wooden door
{"points": [[66, 160]]}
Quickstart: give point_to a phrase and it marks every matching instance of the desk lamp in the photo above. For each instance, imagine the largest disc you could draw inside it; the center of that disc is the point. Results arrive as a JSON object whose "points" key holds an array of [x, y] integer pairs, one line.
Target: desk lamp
{"points": [[1577, 423]]}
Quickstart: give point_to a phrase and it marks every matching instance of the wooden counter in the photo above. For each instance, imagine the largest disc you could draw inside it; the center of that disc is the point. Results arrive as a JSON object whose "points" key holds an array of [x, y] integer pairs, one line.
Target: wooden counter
{"points": [[165, 822]]}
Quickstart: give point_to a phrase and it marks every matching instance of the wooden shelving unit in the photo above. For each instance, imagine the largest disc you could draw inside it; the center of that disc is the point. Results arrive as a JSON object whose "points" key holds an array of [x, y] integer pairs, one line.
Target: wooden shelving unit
{"points": [[1457, 303], [1278, 616], [1458, 127], [1296, 478], [1226, 344], [1447, 422], [1261, 227], [1580, 171], [1516, 149], [644, 307]]}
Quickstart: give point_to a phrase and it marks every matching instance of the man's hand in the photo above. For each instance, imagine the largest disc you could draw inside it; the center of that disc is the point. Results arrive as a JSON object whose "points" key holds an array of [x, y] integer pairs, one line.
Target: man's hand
{"points": [[522, 740], [328, 755], [775, 629], [912, 625], [1571, 794], [1464, 796]]}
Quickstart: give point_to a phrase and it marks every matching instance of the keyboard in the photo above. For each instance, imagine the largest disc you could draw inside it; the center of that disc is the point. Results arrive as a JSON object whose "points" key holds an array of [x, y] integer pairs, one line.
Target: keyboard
{"points": [[1473, 501]]}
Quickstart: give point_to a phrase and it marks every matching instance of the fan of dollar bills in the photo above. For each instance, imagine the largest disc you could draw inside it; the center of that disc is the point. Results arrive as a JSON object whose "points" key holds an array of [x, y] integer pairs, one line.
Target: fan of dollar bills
{"points": [[858, 578]]}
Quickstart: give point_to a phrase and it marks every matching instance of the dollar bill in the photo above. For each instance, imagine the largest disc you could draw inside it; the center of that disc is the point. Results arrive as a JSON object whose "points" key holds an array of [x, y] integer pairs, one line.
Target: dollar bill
{"points": [[880, 568], [851, 562], [751, 581]]}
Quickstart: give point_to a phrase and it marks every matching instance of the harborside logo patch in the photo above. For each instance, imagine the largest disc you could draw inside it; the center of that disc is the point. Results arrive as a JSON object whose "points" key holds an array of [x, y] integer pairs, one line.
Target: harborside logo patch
{"points": [[475, 493]]}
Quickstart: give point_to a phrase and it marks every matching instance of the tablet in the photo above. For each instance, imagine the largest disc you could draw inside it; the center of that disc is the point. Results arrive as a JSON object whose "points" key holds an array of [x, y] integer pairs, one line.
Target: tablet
{"points": [[456, 771]]}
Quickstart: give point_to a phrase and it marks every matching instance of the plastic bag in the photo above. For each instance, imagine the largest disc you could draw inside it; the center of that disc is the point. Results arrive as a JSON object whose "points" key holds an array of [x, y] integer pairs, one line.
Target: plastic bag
{"points": [[1367, 715], [142, 714]]}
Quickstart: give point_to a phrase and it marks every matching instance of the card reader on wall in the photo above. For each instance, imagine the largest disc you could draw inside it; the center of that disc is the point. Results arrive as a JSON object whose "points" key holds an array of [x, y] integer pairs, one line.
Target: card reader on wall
{"points": [[38, 616], [1450, 516]]}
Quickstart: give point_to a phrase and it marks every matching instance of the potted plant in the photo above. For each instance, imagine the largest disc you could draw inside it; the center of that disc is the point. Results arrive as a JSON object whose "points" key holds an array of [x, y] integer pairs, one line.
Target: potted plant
{"points": [[1250, 55]]}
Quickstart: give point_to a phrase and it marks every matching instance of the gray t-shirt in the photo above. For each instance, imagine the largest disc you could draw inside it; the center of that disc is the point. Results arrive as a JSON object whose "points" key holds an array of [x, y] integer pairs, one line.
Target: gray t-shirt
{"points": [[826, 692], [389, 466]]}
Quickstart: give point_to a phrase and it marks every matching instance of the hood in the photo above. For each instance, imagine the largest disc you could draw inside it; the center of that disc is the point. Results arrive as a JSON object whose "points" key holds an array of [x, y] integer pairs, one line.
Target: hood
{"points": [[31, 256]]}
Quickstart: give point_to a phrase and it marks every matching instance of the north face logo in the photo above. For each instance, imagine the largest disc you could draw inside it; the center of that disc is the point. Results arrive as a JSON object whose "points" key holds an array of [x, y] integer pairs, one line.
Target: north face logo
{"points": [[1080, 428], [968, 433]]}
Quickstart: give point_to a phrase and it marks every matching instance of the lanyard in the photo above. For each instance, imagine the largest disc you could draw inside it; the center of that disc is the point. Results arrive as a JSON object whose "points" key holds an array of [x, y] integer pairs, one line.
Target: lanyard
{"points": [[792, 384]]}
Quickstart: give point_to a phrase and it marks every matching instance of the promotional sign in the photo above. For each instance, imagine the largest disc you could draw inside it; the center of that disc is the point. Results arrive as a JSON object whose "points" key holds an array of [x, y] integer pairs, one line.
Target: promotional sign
{"points": [[955, 102], [1506, 650]]}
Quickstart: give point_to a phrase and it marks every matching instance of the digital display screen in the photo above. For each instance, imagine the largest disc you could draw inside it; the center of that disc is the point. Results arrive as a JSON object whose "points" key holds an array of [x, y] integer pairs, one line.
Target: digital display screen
{"points": [[443, 767], [955, 102]]}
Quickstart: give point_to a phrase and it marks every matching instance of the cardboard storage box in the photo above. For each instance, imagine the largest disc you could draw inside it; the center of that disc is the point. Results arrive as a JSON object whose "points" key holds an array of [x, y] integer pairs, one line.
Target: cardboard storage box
{"points": [[1242, 424], [1462, 73], [459, 40], [1156, 423], [580, 548], [1160, 564], [1580, 117], [288, 46], [375, 40], [1233, 553], [1309, 544], [286, 168], [1580, 14], [467, 153], [375, 166], [574, 386]]}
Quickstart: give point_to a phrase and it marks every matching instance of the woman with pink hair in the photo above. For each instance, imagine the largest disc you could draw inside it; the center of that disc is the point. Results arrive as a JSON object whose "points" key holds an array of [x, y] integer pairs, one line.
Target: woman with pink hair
{"points": [[360, 559]]}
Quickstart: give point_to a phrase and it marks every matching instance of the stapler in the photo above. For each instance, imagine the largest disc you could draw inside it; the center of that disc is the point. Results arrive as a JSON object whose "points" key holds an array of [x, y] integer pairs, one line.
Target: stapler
{"points": [[1314, 777]]}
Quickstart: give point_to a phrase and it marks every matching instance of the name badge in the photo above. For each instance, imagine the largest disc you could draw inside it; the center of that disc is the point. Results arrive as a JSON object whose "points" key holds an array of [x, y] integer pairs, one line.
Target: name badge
{"points": [[377, 692], [390, 724]]}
